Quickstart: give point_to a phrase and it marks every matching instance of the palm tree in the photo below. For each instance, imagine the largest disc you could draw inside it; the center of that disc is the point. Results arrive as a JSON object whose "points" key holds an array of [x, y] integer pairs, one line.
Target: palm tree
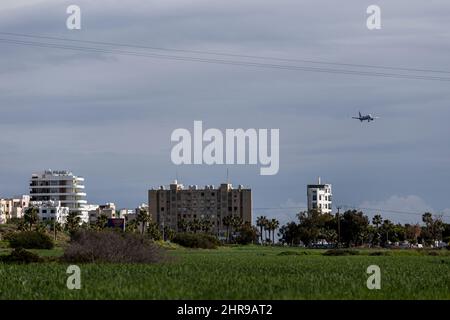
{"points": [[274, 224], [55, 227], [195, 225], [236, 223], [183, 225], [143, 218], [266, 228], [261, 222], [227, 220], [205, 225], [31, 216]]}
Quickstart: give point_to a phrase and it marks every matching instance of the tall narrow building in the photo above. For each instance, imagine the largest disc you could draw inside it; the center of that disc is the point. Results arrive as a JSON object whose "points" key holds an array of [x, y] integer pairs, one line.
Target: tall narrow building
{"points": [[320, 197], [168, 207], [62, 186]]}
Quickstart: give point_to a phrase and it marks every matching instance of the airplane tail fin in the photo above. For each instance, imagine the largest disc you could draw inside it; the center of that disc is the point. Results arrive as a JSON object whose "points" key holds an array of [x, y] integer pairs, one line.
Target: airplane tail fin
{"points": [[360, 114]]}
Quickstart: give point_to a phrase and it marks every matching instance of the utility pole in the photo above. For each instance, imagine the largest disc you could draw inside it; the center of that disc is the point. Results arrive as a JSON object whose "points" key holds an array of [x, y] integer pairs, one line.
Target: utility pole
{"points": [[339, 226]]}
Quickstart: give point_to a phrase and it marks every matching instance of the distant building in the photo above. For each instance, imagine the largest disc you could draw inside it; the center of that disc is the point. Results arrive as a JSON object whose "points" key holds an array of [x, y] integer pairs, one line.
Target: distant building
{"points": [[51, 211], [95, 211], [61, 186], [169, 206], [13, 208], [320, 197]]}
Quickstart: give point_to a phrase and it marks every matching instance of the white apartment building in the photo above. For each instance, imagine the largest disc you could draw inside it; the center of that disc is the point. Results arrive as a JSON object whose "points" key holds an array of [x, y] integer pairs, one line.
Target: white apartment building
{"points": [[62, 186], [320, 197], [13, 208], [51, 211]]}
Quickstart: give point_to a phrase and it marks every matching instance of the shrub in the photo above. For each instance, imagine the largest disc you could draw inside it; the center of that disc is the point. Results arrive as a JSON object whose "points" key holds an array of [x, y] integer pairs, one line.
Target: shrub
{"points": [[29, 240], [292, 253], [380, 253], [247, 234], [196, 240], [20, 255], [341, 252], [88, 246]]}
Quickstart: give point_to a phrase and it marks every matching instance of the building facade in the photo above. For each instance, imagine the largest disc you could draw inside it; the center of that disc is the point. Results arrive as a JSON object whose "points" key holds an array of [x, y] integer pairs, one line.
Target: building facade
{"points": [[319, 197], [51, 211], [61, 186], [169, 206], [13, 208], [95, 211]]}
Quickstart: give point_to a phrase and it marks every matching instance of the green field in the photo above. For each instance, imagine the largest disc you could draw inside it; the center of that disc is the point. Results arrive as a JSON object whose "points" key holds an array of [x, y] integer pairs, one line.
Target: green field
{"points": [[238, 273]]}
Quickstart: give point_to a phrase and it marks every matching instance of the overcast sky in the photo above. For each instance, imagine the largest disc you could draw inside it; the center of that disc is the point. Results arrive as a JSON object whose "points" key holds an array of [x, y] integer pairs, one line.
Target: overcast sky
{"points": [[109, 117]]}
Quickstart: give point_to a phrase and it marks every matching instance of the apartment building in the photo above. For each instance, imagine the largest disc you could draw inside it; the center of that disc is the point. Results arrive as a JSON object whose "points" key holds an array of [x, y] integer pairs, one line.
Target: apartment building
{"points": [[95, 211], [167, 206], [62, 186], [13, 208], [319, 197], [51, 211]]}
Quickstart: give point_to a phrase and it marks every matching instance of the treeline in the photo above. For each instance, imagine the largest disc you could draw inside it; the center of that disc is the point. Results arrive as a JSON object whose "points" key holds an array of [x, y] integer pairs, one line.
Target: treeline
{"points": [[353, 228]]}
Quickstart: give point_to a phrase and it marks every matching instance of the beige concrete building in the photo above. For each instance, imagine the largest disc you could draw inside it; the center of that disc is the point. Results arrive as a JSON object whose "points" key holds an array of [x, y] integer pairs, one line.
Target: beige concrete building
{"points": [[95, 211], [13, 208], [168, 206]]}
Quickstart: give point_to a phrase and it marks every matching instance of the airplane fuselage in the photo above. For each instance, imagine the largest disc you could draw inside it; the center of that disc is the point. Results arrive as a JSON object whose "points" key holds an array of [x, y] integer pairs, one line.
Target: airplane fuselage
{"points": [[367, 118]]}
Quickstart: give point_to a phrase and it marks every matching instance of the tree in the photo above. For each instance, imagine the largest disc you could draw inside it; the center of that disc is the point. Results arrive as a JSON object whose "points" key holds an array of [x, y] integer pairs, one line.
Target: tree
{"points": [[236, 223], [131, 226], [183, 225], [195, 225], [227, 221], [412, 232], [31, 217], [169, 233], [153, 231], [247, 234], [101, 222], [387, 228], [290, 234], [377, 220], [273, 225], [261, 222], [205, 225], [73, 221], [143, 218], [354, 225], [55, 227], [433, 228]]}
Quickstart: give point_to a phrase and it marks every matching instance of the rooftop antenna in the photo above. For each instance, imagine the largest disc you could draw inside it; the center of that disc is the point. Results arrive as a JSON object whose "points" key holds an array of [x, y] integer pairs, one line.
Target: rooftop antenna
{"points": [[319, 180], [176, 176], [227, 176]]}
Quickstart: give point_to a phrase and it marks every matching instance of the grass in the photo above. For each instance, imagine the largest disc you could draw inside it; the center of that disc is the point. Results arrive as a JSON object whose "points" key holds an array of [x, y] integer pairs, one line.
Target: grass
{"points": [[239, 273]]}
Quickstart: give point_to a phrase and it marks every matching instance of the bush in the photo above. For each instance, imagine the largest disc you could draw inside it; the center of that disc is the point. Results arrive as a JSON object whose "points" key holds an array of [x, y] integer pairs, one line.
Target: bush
{"points": [[341, 252], [88, 246], [247, 234], [196, 240], [29, 240], [292, 253], [20, 255], [380, 253]]}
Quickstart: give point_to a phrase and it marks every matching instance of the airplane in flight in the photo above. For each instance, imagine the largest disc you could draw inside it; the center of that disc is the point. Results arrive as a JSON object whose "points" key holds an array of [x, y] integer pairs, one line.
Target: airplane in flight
{"points": [[367, 118]]}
